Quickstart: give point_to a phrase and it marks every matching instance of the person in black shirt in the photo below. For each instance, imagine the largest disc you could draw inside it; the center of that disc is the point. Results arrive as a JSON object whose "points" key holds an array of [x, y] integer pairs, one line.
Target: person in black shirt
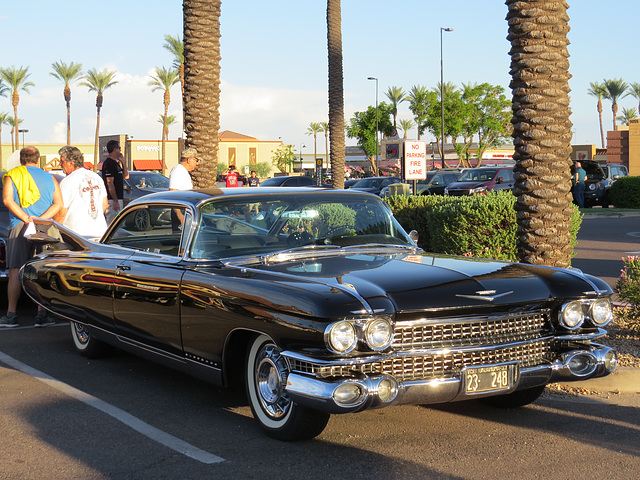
{"points": [[253, 180], [114, 170]]}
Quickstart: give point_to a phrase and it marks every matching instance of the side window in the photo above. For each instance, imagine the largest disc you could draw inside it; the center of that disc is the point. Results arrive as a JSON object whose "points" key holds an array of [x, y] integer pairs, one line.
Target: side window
{"points": [[151, 228]]}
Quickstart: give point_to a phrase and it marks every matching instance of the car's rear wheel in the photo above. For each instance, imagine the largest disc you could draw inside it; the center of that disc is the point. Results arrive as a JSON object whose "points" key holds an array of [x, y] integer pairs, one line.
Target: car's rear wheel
{"points": [[280, 417], [85, 343], [142, 220], [516, 399]]}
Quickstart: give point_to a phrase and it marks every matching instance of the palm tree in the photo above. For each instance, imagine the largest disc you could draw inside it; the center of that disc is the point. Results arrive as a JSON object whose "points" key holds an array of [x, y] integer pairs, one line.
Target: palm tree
{"points": [[67, 74], [324, 127], [202, 85], [175, 45], [615, 89], [314, 129], [163, 80], [541, 130], [12, 123], [166, 122], [418, 99], [98, 82], [627, 114], [336, 92], [406, 125], [597, 90], [395, 95], [634, 91], [17, 80], [3, 121]]}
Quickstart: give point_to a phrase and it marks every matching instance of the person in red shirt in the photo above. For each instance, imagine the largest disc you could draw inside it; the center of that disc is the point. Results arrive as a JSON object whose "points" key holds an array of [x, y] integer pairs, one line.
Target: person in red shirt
{"points": [[232, 176]]}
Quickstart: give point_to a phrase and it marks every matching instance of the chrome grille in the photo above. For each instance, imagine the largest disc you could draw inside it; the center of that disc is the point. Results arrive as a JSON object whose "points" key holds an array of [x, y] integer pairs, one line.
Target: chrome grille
{"points": [[438, 365], [469, 332]]}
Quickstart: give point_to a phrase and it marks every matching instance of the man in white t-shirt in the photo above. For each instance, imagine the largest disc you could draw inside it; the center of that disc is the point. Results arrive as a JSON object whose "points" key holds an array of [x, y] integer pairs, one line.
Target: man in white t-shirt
{"points": [[180, 176], [84, 196]]}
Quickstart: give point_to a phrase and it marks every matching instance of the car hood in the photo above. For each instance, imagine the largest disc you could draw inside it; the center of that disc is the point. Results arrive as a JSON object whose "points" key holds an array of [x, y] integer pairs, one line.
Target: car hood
{"points": [[419, 282]]}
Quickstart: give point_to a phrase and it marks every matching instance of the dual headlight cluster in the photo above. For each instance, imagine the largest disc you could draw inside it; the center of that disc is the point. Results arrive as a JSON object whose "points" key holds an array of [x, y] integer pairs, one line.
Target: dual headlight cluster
{"points": [[374, 333], [598, 312]]}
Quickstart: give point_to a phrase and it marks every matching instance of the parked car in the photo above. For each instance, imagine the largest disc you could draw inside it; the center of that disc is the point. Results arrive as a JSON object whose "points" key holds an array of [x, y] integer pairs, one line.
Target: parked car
{"points": [[351, 182], [599, 181], [142, 183], [320, 303], [479, 181], [290, 181], [437, 181], [375, 184]]}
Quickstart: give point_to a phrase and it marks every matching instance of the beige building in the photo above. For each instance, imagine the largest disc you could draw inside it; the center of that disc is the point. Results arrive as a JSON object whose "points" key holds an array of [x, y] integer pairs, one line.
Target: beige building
{"points": [[233, 149]]}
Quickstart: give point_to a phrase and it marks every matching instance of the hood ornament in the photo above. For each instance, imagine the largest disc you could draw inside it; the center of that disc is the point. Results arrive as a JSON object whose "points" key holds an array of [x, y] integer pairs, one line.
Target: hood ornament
{"points": [[485, 295]]}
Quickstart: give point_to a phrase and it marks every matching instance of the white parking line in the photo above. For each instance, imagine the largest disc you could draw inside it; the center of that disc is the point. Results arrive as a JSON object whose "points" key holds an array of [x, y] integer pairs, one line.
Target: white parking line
{"points": [[138, 425]]}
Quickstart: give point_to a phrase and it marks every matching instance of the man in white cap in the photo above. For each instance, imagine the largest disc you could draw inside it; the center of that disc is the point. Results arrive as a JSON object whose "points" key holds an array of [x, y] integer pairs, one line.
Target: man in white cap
{"points": [[180, 176]]}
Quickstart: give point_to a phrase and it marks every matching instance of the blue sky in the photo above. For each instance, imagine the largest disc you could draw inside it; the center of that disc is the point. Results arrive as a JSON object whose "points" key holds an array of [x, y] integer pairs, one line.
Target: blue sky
{"points": [[274, 60]]}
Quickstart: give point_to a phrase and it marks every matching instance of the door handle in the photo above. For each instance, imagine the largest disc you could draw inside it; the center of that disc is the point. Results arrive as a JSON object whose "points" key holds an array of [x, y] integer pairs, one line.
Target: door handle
{"points": [[123, 268]]}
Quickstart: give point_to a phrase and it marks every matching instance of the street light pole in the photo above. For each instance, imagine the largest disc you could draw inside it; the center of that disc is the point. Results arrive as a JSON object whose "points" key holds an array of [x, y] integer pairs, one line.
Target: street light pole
{"points": [[377, 161], [442, 29], [23, 131]]}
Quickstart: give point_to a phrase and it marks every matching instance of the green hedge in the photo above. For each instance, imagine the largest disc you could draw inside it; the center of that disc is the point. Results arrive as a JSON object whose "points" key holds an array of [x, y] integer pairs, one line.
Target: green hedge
{"points": [[480, 226], [625, 192]]}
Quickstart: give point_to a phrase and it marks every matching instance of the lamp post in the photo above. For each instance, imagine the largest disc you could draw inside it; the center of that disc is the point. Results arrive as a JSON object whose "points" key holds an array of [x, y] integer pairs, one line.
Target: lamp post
{"points": [[377, 161], [23, 132], [442, 29], [301, 147]]}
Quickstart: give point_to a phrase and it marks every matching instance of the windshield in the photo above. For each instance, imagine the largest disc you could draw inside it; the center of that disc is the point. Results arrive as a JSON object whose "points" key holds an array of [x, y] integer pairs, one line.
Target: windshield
{"points": [[148, 180], [263, 224], [478, 175]]}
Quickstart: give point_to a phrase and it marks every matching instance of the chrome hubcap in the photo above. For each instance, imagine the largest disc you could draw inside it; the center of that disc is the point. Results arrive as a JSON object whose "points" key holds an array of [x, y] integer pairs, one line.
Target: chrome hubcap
{"points": [[270, 377]]}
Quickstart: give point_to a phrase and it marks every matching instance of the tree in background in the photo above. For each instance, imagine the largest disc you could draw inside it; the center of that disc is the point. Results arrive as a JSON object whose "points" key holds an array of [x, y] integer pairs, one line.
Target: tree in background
{"points": [[597, 90], [167, 122], [3, 121], [336, 92], [98, 82], [541, 129], [163, 80], [67, 74], [634, 91], [17, 80], [325, 129], [627, 115], [615, 89], [175, 45], [396, 96], [12, 123], [419, 100], [406, 125], [314, 129], [202, 85], [362, 127], [283, 158]]}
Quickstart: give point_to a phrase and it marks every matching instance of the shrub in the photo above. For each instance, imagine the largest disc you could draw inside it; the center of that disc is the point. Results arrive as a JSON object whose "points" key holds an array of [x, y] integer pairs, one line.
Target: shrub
{"points": [[625, 192], [628, 285], [481, 226]]}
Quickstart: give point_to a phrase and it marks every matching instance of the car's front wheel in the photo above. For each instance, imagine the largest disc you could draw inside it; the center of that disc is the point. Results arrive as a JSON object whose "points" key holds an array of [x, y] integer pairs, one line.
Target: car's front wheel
{"points": [[85, 343], [279, 416], [519, 398]]}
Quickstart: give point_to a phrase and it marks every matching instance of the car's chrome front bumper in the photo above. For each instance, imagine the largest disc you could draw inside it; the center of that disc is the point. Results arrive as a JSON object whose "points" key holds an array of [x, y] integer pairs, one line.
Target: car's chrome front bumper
{"points": [[320, 394]]}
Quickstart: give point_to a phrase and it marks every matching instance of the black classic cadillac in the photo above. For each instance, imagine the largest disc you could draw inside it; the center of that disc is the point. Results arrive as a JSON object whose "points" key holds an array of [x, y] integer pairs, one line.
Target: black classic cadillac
{"points": [[319, 302]]}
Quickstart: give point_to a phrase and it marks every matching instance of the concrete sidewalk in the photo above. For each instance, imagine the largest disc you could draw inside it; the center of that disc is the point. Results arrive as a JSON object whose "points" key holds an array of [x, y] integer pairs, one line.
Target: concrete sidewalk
{"points": [[622, 380]]}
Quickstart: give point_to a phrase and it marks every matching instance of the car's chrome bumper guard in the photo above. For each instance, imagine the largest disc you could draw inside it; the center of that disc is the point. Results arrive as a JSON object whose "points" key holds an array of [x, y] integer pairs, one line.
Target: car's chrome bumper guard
{"points": [[320, 394]]}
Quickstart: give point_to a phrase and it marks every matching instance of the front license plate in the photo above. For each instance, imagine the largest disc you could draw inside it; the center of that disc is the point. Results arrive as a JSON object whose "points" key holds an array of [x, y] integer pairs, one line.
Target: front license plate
{"points": [[491, 378]]}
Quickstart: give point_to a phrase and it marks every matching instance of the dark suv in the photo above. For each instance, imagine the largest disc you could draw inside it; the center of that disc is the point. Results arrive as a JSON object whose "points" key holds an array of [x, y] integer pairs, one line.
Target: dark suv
{"points": [[478, 181], [437, 181], [599, 181]]}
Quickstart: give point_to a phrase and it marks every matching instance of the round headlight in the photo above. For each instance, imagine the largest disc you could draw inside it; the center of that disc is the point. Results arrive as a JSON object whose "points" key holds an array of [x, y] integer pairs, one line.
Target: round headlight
{"points": [[348, 394], [378, 334], [572, 316], [342, 337], [601, 312], [387, 390]]}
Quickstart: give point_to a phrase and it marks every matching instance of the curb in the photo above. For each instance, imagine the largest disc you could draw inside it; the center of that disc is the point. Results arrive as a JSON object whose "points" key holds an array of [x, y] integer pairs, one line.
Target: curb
{"points": [[622, 380]]}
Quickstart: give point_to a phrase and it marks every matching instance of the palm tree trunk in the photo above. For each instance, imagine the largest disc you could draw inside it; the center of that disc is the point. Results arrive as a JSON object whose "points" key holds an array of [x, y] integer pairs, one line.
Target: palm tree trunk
{"points": [[68, 123], [336, 91], [600, 119], [202, 85], [16, 125], [614, 109], [96, 145], [164, 139], [542, 130]]}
